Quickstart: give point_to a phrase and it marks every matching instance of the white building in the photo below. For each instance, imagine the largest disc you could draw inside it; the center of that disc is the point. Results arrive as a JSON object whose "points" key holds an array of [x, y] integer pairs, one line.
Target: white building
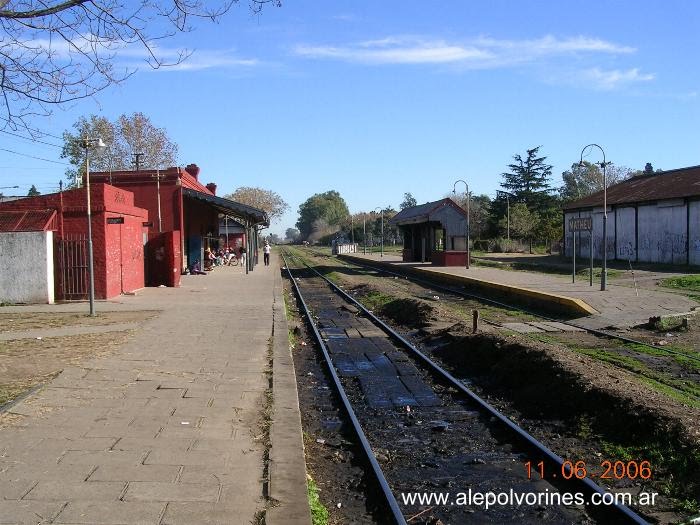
{"points": [[651, 218]]}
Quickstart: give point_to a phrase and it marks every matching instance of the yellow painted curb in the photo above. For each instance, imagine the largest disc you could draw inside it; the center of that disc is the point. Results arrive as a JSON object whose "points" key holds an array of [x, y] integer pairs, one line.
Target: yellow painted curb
{"points": [[545, 299]]}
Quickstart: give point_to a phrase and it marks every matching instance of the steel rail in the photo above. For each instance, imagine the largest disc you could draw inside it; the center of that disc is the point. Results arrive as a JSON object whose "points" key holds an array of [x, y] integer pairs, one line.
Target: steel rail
{"points": [[595, 331], [388, 494], [552, 457]]}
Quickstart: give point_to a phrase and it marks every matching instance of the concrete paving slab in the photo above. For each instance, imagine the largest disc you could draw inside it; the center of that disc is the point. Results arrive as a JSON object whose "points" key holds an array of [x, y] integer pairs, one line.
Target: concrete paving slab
{"points": [[159, 491], [162, 473], [201, 360], [545, 327], [16, 488], [523, 328], [111, 513], [562, 327], [203, 513], [65, 491], [28, 512]]}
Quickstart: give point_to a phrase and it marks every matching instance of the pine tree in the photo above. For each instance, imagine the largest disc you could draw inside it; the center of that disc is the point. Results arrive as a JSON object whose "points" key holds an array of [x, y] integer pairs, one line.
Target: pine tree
{"points": [[33, 192], [529, 180]]}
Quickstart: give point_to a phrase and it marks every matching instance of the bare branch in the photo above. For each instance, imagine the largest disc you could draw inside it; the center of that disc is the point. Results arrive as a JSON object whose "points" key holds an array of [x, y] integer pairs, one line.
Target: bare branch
{"points": [[58, 52]]}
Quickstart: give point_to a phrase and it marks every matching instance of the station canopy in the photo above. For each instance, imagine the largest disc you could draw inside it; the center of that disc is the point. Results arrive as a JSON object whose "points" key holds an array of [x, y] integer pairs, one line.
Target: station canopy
{"points": [[242, 212]]}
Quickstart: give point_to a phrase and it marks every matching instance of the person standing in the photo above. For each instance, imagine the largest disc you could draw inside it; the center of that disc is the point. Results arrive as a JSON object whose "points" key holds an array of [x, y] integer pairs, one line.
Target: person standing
{"points": [[266, 253], [242, 257]]}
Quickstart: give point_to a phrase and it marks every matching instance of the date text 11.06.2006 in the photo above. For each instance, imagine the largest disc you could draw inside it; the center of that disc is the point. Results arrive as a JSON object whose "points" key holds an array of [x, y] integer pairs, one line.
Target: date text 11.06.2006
{"points": [[606, 469]]}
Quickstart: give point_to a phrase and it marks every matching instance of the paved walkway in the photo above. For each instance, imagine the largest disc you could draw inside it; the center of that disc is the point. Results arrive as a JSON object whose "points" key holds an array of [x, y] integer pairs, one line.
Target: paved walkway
{"points": [[619, 306], [167, 429]]}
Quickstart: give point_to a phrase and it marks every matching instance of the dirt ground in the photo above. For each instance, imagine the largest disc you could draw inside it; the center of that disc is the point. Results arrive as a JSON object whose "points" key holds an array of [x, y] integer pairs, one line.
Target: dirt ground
{"points": [[31, 361]]}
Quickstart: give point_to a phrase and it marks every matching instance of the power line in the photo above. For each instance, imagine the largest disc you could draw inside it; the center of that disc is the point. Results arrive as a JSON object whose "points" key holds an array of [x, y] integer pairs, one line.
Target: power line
{"points": [[30, 139], [26, 168], [43, 133], [33, 157]]}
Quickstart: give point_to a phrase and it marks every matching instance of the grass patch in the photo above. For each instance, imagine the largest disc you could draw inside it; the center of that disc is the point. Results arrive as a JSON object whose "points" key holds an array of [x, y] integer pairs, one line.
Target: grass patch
{"points": [[12, 391], [686, 392], [687, 362], [375, 300], [662, 457], [319, 513], [683, 282]]}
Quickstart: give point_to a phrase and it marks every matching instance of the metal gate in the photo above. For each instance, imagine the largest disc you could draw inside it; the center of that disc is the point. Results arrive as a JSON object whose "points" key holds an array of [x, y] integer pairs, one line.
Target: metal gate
{"points": [[72, 268]]}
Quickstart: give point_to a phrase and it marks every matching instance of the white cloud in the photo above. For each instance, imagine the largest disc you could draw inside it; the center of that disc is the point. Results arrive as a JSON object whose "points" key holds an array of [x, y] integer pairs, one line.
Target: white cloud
{"points": [[612, 79], [345, 17], [198, 60], [478, 53], [135, 56]]}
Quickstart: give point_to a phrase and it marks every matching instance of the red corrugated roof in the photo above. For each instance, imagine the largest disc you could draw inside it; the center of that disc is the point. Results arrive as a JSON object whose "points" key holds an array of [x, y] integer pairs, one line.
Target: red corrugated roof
{"points": [[28, 221], [673, 184]]}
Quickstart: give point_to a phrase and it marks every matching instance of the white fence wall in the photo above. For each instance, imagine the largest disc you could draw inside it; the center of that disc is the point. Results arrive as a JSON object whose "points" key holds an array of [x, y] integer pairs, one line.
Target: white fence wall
{"points": [[344, 248], [26, 259]]}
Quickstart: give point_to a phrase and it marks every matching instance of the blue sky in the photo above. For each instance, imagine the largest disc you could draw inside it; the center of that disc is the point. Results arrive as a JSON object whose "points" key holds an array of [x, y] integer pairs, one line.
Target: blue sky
{"points": [[375, 99]]}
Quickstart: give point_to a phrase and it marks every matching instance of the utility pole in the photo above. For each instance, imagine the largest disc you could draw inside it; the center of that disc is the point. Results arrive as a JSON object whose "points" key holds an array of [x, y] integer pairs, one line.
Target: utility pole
{"points": [[137, 160]]}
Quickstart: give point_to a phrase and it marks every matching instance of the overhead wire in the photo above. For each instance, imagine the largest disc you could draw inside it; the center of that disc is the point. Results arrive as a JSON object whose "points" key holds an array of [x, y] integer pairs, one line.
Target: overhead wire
{"points": [[33, 157], [35, 130], [30, 139]]}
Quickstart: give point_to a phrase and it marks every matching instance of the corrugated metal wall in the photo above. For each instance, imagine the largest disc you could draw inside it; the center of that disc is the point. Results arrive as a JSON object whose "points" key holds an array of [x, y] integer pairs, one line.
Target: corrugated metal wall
{"points": [[664, 232]]}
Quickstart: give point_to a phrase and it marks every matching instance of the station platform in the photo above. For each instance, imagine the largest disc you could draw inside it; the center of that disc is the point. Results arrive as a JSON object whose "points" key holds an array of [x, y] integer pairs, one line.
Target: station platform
{"points": [[169, 428], [618, 306]]}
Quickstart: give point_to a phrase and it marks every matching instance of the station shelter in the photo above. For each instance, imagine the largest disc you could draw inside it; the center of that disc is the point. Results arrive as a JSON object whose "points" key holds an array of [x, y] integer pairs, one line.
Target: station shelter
{"points": [[184, 219], [434, 232], [118, 233]]}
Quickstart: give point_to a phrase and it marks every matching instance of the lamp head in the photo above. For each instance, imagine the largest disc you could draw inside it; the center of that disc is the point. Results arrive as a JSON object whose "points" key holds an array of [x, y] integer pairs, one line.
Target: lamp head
{"points": [[100, 145]]}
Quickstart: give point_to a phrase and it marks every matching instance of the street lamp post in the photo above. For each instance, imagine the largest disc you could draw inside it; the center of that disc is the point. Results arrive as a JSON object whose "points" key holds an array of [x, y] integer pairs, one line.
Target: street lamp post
{"points": [[352, 230], [604, 270], [99, 146], [508, 195], [381, 210], [454, 191], [364, 233]]}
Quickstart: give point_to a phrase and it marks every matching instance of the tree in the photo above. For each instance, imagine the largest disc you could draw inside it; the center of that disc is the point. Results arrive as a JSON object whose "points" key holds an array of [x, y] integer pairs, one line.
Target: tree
{"points": [[479, 211], [58, 51], [266, 200], [321, 214], [522, 221], [291, 234], [647, 171], [583, 180], [33, 192], [408, 201], [549, 226], [124, 138], [528, 180]]}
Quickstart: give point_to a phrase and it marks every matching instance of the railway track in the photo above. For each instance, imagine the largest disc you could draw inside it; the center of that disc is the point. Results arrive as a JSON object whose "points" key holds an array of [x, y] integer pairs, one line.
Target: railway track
{"points": [[632, 345], [438, 436], [487, 300]]}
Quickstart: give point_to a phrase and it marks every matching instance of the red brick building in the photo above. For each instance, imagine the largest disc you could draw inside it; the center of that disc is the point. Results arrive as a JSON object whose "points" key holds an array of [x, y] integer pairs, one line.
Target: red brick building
{"points": [[117, 231], [185, 212]]}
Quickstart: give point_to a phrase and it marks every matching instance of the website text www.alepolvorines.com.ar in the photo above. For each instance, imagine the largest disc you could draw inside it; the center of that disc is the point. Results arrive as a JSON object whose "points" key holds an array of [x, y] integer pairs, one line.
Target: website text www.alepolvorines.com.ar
{"points": [[490, 499]]}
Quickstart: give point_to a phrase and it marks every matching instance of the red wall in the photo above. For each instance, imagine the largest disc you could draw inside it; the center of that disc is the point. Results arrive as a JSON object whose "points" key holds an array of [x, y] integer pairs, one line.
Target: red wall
{"points": [[118, 253], [449, 258]]}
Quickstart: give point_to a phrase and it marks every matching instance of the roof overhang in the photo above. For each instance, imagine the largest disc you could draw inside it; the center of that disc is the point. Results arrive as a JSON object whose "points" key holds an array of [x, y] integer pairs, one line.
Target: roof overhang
{"points": [[241, 212]]}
